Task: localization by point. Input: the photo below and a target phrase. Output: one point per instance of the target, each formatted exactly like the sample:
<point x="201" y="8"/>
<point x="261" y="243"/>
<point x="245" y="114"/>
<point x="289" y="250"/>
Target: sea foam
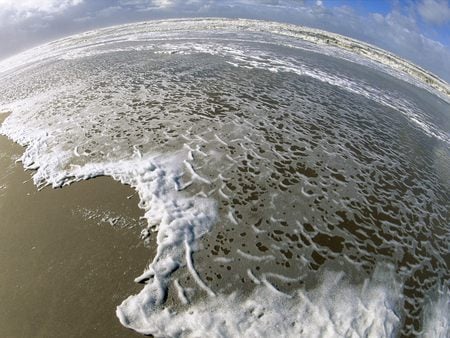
<point x="180" y="219"/>
<point x="335" y="308"/>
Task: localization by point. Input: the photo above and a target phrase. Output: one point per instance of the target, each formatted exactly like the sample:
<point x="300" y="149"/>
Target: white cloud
<point x="13" y="11"/>
<point x="161" y="4"/>
<point x="45" y="6"/>
<point x="401" y="35"/>
<point x="434" y="11"/>
<point x="164" y="3"/>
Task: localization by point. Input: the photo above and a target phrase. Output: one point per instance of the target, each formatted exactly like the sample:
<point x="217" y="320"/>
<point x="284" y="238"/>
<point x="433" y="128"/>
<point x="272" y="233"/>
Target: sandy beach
<point x="68" y="256"/>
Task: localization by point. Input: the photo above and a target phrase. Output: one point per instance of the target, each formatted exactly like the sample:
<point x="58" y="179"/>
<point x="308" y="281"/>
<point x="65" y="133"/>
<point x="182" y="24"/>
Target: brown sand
<point x="62" y="275"/>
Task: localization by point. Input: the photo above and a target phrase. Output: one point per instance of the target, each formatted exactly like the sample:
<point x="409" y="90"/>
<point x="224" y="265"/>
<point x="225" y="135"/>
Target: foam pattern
<point x="334" y="309"/>
<point x="263" y="162"/>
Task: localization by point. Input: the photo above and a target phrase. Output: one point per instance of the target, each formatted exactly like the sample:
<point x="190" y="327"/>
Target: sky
<point x="418" y="30"/>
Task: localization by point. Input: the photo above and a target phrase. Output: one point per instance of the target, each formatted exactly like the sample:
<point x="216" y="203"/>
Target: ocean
<point x="290" y="187"/>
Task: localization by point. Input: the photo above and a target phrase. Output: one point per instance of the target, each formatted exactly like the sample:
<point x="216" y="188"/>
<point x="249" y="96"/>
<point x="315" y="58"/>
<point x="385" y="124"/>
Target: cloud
<point x="401" y="35"/>
<point x="162" y="4"/>
<point x="16" y="10"/>
<point x="434" y="11"/>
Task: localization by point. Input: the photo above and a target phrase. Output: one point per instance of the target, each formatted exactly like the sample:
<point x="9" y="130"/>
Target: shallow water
<point x="262" y="163"/>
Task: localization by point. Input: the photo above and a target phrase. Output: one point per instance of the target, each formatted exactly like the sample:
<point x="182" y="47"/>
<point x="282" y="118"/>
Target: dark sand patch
<point x="63" y="274"/>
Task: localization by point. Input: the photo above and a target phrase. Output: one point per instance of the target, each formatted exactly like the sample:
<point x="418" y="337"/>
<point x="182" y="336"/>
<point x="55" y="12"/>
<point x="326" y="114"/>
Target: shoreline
<point x="69" y="256"/>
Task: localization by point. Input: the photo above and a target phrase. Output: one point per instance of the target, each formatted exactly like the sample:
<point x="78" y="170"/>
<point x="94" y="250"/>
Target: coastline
<point x="68" y="256"/>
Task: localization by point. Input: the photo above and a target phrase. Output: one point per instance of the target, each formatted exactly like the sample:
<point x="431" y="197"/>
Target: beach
<point x="68" y="256"/>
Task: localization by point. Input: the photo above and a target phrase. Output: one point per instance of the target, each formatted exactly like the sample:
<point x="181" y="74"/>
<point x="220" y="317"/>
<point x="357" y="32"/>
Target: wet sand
<point x="62" y="273"/>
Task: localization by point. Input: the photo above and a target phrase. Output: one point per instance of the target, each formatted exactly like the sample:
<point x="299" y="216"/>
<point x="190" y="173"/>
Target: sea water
<point x="294" y="189"/>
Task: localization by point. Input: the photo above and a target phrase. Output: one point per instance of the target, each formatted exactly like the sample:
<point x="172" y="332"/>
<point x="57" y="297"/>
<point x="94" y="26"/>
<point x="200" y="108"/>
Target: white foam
<point x="436" y="315"/>
<point x="252" y="277"/>
<point x="249" y="60"/>
<point x="334" y="309"/>
<point x="255" y="258"/>
<point x="181" y="219"/>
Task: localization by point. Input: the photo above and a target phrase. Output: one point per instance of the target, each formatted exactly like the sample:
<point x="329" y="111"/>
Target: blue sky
<point x="418" y="30"/>
<point x="429" y="24"/>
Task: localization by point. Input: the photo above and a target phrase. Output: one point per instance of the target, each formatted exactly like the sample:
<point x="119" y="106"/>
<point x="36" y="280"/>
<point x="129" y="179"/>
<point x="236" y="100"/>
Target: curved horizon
<point x="313" y="35"/>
